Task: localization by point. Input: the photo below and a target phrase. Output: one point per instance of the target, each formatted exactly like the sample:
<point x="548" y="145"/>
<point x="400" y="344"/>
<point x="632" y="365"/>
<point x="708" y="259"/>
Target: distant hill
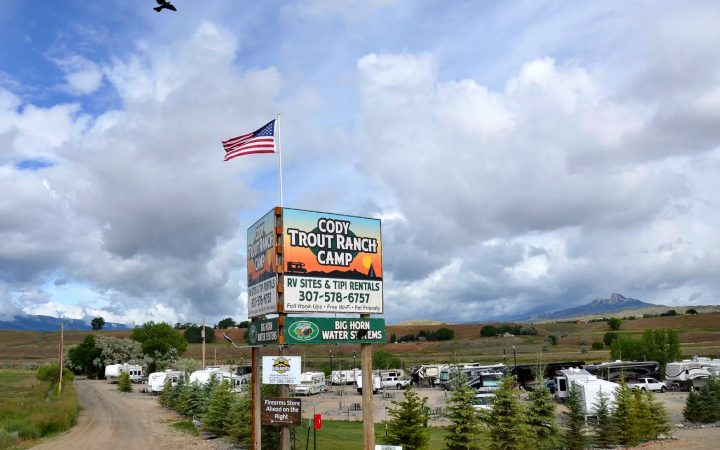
<point x="48" y="323"/>
<point x="420" y="322"/>
<point x="616" y="303"/>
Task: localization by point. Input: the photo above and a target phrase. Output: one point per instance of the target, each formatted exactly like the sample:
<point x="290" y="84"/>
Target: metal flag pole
<point x="279" y="150"/>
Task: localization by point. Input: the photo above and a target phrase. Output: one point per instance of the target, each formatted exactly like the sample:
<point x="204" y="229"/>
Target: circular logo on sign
<point x="304" y="330"/>
<point x="252" y="334"/>
<point x="281" y="365"/>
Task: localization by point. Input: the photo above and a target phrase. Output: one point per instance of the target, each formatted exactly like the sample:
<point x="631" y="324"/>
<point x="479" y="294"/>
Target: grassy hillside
<point x="698" y="335"/>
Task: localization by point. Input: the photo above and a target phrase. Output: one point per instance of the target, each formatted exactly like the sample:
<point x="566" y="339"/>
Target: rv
<point x="625" y="370"/>
<point x="687" y="375"/>
<point x="426" y="375"/>
<point x="157" y="380"/>
<point x="340" y="377"/>
<point x="391" y="373"/>
<point x="310" y="383"/>
<point x="485" y="380"/>
<point x="528" y="375"/>
<point x="377" y="383"/>
<point x="113" y="371"/>
<point x="483" y="401"/>
<point x="590" y="390"/>
<point x="202" y="377"/>
<point x="470" y="370"/>
<point x="712" y="364"/>
<point x="565" y="379"/>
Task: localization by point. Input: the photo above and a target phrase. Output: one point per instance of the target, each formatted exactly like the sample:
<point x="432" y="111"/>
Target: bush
<point x="488" y="331"/>
<point x="692" y="311"/>
<point x="609" y="337"/>
<point x="614" y="323"/>
<point x="124" y="383"/>
<point x="597" y="345"/>
<point x="51" y="373"/>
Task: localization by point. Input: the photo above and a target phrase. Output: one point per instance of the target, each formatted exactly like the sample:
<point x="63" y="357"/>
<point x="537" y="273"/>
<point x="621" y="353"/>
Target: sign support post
<point x="367" y="393"/>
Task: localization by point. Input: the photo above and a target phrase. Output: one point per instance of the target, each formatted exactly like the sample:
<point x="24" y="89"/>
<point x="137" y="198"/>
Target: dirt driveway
<point x="113" y="420"/>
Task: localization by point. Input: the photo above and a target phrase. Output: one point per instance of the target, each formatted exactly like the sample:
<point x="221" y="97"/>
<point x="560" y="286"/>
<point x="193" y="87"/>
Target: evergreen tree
<point x="216" y="417"/>
<point x="541" y="417"/>
<point x="624" y="417"/>
<point x="574" y="435"/>
<point x="659" y="414"/>
<point x="703" y="406"/>
<point x="645" y="422"/>
<point x="124" y="383"/>
<point x="166" y="394"/>
<point x="406" y="426"/>
<point x="604" y="429"/>
<point x="508" y="428"/>
<point x="693" y="408"/>
<point x="190" y="400"/>
<point x="463" y="432"/>
<point x="239" y="424"/>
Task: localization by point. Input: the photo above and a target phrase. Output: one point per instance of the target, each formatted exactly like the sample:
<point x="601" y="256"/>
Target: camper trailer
<point x="310" y="383"/>
<point x="426" y="375"/>
<point x="202" y="377"/>
<point x="590" y="390"/>
<point x="340" y="377"/>
<point x="565" y="378"/>
<point x="687" y="375"/>
<point x="113" y="371"/>
<point x="157" y="380"/>
<point x="377" y="383"/>
<point x="470" y="370"/>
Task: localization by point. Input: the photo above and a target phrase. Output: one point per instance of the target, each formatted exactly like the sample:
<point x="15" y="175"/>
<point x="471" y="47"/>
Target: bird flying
<point x="164" y="5"/>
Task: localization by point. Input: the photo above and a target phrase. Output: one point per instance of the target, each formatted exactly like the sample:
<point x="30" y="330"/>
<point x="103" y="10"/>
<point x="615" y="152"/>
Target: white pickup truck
<point x="394" y="382"/>
<point x="649" y="384"/>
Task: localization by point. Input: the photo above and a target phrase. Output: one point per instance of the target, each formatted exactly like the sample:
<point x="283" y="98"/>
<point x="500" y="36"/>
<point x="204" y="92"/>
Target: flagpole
<point x="277" y="123"/>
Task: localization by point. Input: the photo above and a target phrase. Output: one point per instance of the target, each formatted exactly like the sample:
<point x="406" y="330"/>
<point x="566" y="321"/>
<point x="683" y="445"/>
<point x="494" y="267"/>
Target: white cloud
<point x="82" y="76"/>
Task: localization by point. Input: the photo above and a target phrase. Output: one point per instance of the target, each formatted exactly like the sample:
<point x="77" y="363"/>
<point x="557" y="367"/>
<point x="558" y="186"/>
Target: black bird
<point x="164" y="5"/>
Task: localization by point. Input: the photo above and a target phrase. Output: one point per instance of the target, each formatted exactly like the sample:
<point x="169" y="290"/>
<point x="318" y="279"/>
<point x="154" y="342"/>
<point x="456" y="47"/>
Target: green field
<point x="31" y="409"/>
<point x="335" y="435"/>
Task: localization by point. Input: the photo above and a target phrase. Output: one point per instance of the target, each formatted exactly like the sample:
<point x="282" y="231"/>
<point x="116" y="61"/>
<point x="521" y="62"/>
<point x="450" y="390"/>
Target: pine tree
<point x="645" y="422"/>
<point x="463" y="432"/>
<point x="124" y="383"/>
<point x="541" y="417"/>
<point x="166" y="393"/>
<point x="574" y="435"/>
<point x="659" y="415"/>
<point x="239" y="424"/>
<point x="604" y="429"/>
<point x="508" y="428"/>
<point x="703" y="406"/>
<point x="693" y="408"/>
<point x="216" y="418"/>
<point x="406" y="426"/>
<point x="624" y="417"/>
<point x="190" y="400"/>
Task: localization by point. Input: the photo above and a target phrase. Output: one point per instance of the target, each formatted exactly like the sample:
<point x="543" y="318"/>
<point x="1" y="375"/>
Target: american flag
<point x="259" y="141"/>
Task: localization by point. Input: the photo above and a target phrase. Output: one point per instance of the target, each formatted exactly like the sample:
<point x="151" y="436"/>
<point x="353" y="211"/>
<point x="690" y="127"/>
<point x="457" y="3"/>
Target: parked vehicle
<point x="157" y="380"/>
<point x="590" y="390"/>
<point x="483" y="401"/>
<point x="687" y="375"/>
<point x="113" y="371"/>
<point x="377" y="383"/>
<point x="310" y="383"/>
<point x="649" y="384"/>
<point x="470" y="370"/>
<point x="340" y="377"/>
<point x="625" y="370"/>
<point x="426" y="375"/>
<point x="202" y="377"/>
<point x="485" y="380"/>
<point x="565" y="378"/>
<point x="550" y="385"/>
<point x="387" y="373"/>
<point x="527" y="374"/>
<point x="394" y="382"/>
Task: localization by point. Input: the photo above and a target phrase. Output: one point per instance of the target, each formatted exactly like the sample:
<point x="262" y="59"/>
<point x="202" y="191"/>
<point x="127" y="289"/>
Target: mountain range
<point x="616" y="302"/>
<point x="47" y="323"/>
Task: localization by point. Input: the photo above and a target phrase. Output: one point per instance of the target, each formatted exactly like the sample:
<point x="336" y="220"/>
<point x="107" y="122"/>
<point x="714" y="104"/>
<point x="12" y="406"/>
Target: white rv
<point x="565" y="378"/>
<point x="339" y="377"/>
<point x="156" y="380"/>
<point x="687" y="375"/>
<point x="427" y="374"/>
<point x="590" y="390"/>
<point x="377" y="383"/>
<point x="310" y="383"/>
<point x="202" y="377"/>
<point x="113" y="371"/>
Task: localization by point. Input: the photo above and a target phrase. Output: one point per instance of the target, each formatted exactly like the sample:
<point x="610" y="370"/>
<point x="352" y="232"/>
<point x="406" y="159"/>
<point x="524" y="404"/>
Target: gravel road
<point x="113" y="420"/>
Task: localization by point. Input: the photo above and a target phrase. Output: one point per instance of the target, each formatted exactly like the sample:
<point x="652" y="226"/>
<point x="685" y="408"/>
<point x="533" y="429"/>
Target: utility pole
<point x="62" y="326"/>
<point x="202" y="333"/>
<point x="367" y="393"/>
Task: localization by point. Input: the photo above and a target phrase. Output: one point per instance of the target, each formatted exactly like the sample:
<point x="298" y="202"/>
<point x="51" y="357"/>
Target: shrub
<point x="488" y="331"/>
<point x="124" y="383"/>
<point x="51" y="373"/>
<point x="614" y="323"/>
<point x="597" y="345"/>
<point x="609" y="337"/>
<point x="692" y="311"/>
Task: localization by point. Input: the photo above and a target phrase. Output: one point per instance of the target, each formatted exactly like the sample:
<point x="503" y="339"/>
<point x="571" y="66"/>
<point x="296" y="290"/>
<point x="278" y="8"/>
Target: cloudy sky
<point x="523" y="156"/>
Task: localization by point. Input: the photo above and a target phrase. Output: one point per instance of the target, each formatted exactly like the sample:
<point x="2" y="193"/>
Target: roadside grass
<point x="31" y="409"/>
<point x="344" y="435"/>
<point x="186" y="426"/>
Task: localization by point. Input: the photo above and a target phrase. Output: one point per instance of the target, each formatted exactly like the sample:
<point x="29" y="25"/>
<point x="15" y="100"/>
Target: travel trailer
<point x="310" y="383"/>
<point x="202" y="377"/>
<point x="156" y="380"/>
<point x="590" y="390"/>
<point x="565" y="378"/>
<point x="687" y="375"/>
<point x="527" y="375"/>
<point x="426" y="375"/>
<point x="470" y="370"/>
<point x="113" y="371"/>
<point x="340" y="377"/>
<point x="377" y="383"/>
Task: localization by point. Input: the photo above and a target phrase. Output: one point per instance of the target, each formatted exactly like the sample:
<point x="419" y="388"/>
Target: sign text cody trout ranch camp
<point x="332" y="263"/>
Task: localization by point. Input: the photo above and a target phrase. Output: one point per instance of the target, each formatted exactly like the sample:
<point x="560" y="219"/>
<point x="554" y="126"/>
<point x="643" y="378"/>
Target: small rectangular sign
<point x="261" y="267"/>
<point x="281" y="412"/>
<point x="263" y="332"/>
<point x="314" y="330"/>
<point x="281" y="369"/>
<point x="318" y="421"/>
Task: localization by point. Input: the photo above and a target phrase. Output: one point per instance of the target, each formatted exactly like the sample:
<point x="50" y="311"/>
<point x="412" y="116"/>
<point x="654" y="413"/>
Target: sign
<point x="263" y="332"/>
<point x="281" y="370"/>
<point x="261" y="267"/>
<point x="281" y="412"/>
<point x="333" y="263"/>
<point x="318" y="421"/>
<point x="313" y="330"/>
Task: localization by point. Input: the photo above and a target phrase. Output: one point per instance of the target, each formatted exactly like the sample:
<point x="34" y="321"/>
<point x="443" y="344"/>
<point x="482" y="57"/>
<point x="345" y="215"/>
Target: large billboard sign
<point x="333" y="263"/>
<point x="314" y="330"/>
<point x="261" y="266"/>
